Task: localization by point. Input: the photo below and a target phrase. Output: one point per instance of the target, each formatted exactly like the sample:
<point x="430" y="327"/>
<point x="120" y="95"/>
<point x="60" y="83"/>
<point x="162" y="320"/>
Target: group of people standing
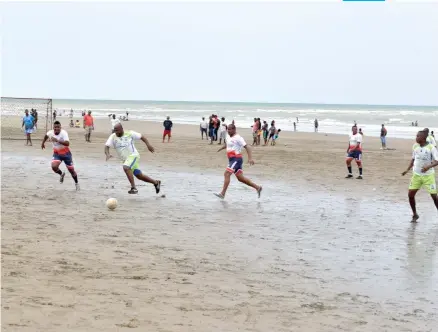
<point x="269" y="133"/>
<point x="214" y="129"/>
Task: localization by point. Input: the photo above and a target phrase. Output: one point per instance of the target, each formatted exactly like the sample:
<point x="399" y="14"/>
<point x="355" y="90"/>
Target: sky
<point x="300" y="52"/>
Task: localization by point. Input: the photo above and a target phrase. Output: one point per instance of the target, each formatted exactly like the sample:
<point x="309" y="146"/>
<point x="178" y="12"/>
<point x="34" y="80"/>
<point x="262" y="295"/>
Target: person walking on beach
<point x="88" y="126"/>
<point x="354" y="151"/>
<point x="203" y="127"/>
<point x="383" y="133"/>
<point x="234" y="145"/>
<point x="272" y="131"/>
<point x="316" y="125"/>
<point x="255" y="132"/>
<point x="61" y="152"/>
<point x="167" y="124"/>
<point x="429" y="138"/>
<point x="28" y="124"/>
<point x="123" y="142"/>
<point x="424" y="159"/>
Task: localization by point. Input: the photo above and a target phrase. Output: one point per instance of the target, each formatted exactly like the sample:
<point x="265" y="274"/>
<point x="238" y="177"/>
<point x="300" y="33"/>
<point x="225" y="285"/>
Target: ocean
<point x="334" y="119"/>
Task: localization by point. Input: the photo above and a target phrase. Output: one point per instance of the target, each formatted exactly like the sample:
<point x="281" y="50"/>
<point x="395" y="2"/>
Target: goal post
<point x="13" y="110"/>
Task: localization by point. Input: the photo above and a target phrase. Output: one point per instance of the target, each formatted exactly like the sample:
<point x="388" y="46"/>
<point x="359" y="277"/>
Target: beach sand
<point x="317" y="252"/>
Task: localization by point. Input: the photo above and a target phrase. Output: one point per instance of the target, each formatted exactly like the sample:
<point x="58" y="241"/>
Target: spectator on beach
<point x="429" y="138"/>
<point x="383" y="133"/>
<point x="88" y="126"/>
<point x="28" y="124"/>
<point x="295" y="126"/>
<point x="272" y="130"/>
<point x="211" y="129"/>
<point x="259" y="130"/>
<point x="217" y="125"/>
<point x="316" y="125"/>
<point x="254" y="132"/>
<point x="265" y="132"/>
<point x="360" y="131"/>
<point x="275" y="137"/>
<point x="167" y="124"/>
<point x="114" y="121"/>
<point x="203" y="127"/>
<point x="222" y="131"/>
<point x="34" y="113"/>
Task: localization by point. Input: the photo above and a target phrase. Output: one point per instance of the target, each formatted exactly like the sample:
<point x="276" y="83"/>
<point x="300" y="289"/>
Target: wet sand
<point x="316" y="253"/>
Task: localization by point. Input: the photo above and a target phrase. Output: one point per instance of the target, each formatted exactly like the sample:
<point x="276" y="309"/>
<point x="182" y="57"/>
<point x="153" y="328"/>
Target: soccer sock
<point x="360" y="170"/>
<point x="59" y="172"/>
<point x="349" y="170"/>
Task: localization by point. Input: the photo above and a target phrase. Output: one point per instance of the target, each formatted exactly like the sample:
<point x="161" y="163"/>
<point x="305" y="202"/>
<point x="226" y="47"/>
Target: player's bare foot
<point x="219" y="195"/>
<point x="133" y="191"/>
<point x="157" y="186"/>
<point x="415" y="217"/>
<point x="61" y="179"/>
<point x="77" y="187"/>
<point x="259" y="191"/>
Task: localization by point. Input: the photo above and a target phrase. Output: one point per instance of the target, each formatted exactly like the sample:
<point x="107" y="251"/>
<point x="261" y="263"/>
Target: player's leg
<point x="430" y="183"/>
<point x="68" y="161"/>
<point x="169" y="135"/>
<point x="227" y="180"/>
<point x="415" y="184"/>
<point x="359" y="165"/>
<point x="164" y="135"/>
<point x="56" y="161"/>
<point x="139" y="175"/>
<point x="348" y="161"/>
<point x="248" y="182"/>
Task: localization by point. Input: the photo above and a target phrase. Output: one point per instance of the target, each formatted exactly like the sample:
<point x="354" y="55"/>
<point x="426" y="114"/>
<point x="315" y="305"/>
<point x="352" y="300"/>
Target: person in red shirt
<point x="88" y="126"/>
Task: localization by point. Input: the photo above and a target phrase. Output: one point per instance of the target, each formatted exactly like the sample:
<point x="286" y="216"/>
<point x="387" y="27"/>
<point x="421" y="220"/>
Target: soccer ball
<point x="111" y="203"/>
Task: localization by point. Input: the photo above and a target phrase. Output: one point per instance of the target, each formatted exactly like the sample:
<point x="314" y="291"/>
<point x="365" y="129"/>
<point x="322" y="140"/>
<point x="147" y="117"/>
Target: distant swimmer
<point x="424" y="159"/>
<point x="234" y="144"/>
<point x="61" y="152"/>
<point x="354" y="151"/>
<point x="123" y="142"/>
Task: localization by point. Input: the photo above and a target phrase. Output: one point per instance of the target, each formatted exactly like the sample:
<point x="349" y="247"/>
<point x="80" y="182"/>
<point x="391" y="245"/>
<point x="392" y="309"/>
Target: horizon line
<point x="224" y="102"/>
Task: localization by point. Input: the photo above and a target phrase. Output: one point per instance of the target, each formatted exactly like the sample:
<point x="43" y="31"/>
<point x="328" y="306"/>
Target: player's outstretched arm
<point x="107" y="153"/>
<point x="249" y="152"/>
<point x="411" y="164"/>
<point x="145" y="140"/>
<point x="222" y="148"/>
<point x="43" y="143"/>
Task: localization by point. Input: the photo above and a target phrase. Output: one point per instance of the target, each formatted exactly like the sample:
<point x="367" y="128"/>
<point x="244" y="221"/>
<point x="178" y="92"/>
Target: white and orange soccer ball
<point x="111" y="203"/>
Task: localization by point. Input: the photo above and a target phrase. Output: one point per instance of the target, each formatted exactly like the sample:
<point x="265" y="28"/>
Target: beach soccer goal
<point x="13" y="110"/>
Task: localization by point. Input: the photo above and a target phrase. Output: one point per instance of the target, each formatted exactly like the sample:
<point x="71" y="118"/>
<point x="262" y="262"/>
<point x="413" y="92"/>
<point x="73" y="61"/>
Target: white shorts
<point x="223" y="134"/>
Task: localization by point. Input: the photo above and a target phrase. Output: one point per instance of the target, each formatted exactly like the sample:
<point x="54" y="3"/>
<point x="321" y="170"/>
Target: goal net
<point x="13" y="110"/>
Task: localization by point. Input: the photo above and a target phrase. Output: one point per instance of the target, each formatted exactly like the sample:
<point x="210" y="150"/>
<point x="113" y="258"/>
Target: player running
<point x="234" y="144"/>
<point x="61" y="152"/>
<point x="123" y="142"/>
<point x="354" y="151"/>
<point x="424" y="158"/>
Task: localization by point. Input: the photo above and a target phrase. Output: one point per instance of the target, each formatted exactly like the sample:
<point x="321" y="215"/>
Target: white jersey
<point x="354" y="141"/>
<point x="114" y="122"/>
<point x="423" y="156"/>
<point x="235" y="145"/>
<point x="204" y="124"/>
<point x="62" y="137"/>
<point x="223" y="127"/>
<point x="124" y="145"/>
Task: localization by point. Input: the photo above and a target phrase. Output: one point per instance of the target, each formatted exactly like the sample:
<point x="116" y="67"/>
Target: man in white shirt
<point x="354" y="151"/>
<point x="234" y="144"/>
<point x="424" y="159"/>
<point x="123" y="142"/>
<point x="114" y="121"/>
<point x="61" y="152"/>
<point x="429" y="138"/>
<point x="222" y="131"/>
<point x="203" y="127"/>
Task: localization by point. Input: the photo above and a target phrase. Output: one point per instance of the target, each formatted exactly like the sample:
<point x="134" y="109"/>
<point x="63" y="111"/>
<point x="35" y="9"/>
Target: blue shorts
<point x="66" y="158"/>
<point x="383" y="139"/>
<point x="235" y="165"/>
<point x="357" y="155"/>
